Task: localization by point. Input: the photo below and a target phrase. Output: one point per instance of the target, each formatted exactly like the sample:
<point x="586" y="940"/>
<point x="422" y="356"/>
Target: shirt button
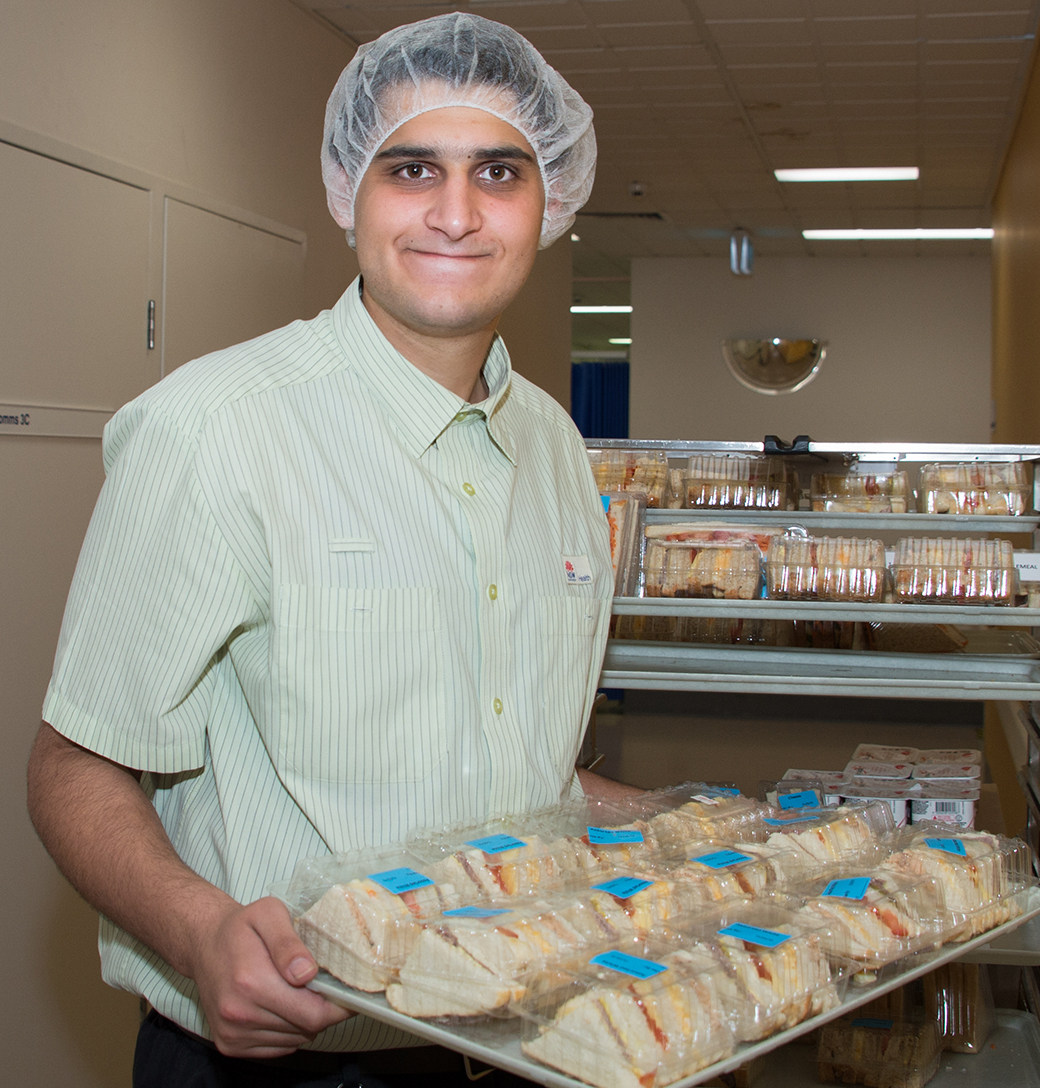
<point x="493" y="592"/>
<point x="469" y="489"/>
<point x="497" y="706"/>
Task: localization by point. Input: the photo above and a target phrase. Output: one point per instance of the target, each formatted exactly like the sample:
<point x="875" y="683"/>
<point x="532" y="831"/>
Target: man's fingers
<point x="288" y="953"/>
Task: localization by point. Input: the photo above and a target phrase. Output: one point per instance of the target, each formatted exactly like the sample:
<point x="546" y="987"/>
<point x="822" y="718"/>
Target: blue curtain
<point x="599" y="399"/>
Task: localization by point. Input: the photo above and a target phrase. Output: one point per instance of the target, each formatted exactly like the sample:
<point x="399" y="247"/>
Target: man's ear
<point x="340" y="195"/>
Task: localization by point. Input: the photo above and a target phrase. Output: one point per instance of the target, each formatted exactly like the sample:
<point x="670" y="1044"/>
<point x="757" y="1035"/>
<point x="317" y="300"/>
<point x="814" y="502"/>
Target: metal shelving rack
<point x="693" y="667"/>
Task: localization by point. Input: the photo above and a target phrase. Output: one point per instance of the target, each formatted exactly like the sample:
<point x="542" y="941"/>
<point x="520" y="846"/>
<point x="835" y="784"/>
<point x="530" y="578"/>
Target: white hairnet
<point x="458" y="60"/>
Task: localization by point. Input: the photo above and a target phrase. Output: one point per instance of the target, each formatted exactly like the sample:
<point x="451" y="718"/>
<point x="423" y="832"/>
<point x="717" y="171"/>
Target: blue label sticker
<point x="868" y="1022"/>
<point x="605" y="499"/>
<point x="496" y="844"/>
<point x="784" y="823"/>
<point x="731" y="790"/>
<point x="948" y="846"/>
<point x="766" y="938"/>
<point x="721" y="858"/>
<point x="605" y="836"/>
<point x="399" y="881"/>
<point x="801" y="799"/>
<point x="475" y="912"/>
<point x="853" y="887"/>
<point x="623" y="887"/>
<point x="628" y="965"/>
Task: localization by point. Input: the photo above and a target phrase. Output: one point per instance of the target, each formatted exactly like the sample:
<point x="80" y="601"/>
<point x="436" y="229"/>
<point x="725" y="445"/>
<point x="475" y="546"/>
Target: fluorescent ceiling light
<point x="914" y="234"/>
<point x="851" y="173"/>
<point x="620" y="340"/>
<point x="601" y="309"/>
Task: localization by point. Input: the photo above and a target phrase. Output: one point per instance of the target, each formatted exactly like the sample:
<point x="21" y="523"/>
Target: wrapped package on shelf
<point x="806" y="568"/>
<point x="645" y="471"/>
<point x="626" y="514"/>
<point x="886" y="753"/>
<point x="858" y="492"/>
<point x="639" y="1016"/>
<point x="738" y="481"/>
<point x="984" y="877"/>
<point x="940" y="570"/>
<point x="995" y="489"/>
<point x="730" y="571"/>
<point x="361" y="913"/>
<point x="893" y="1053"/>
<point x="876" y="916"/>
<point x="959" y="998"/>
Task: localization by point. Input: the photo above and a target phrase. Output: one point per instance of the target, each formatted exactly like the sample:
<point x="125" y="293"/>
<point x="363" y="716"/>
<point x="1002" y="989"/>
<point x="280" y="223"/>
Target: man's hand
<point x="248" y="963"/>
<point x="251" y="970"/>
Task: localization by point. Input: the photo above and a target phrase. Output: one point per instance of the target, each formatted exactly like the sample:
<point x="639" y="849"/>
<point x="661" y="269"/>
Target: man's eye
<point x="415" y="171"/>
<point x="497" y="171"/>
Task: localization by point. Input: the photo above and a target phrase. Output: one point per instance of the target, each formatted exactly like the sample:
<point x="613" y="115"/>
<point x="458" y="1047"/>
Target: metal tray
<point x="497" y="1042"/>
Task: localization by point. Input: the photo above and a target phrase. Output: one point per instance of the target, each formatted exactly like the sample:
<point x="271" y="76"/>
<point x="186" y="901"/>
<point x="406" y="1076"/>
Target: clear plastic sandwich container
<point x="716" y="873"/>
<point x="475" y="960"/>
<point x="985" y="878"/>
<point x="361" y="913"/>
<point x="736" y="481"/>
<point x="804" y="791"/>
<point x="869" y="1050"/>
<point x="535" y="855"/>
<point x="697" y="811"/>
<point x="626" y="516"/>
<point x="939" y="570"/>
<point x="975" y="488"/>
<point x="716" y="533"/>
<point x="805" y="568"/>
<point x="862" y="492"/>
<point x="950" y="803"/>
<point x="777" y="960"/>
<point x="959" y="999"/>
<point x="875" y="916"/>
<point x="815" y="840"/>
<point x="643" y="1015"/>
<point x="645" y="471"/>
<point x="680" y="569"/>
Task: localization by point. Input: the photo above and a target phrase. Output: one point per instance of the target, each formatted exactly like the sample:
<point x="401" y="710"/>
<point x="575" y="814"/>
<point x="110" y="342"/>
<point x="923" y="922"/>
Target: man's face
<point x="447" y="220"/>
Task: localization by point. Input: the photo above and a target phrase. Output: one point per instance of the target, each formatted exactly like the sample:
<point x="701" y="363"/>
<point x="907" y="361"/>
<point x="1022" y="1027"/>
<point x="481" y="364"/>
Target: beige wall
<point x="226" y="97"/>
<point x="537" y="326"/>
<point x="1016" y="273"/>
<point x="908" y="354"/>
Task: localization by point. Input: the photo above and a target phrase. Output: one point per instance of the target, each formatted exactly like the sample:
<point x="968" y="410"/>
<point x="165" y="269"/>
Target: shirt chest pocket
<point x="572" y="630"/>
<point x="360" y="681"/>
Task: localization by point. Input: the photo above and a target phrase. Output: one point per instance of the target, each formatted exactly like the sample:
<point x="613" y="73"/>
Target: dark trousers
<point x="168" y="1057"/>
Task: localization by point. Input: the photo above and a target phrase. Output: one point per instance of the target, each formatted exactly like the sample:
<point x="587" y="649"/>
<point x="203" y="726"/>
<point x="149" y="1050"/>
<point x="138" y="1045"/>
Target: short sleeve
<point x="156" y="595"/>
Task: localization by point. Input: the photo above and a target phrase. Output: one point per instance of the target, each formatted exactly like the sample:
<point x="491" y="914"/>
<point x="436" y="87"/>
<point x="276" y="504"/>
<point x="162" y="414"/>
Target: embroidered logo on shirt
<point x="577" y="570"/>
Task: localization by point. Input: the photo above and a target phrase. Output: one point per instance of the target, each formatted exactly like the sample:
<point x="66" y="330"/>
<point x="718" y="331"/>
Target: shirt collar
<point x="419" y="408"/>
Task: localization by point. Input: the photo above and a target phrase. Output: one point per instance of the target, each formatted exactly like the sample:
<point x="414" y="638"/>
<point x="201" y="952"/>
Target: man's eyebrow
<point x="507" y="152"/>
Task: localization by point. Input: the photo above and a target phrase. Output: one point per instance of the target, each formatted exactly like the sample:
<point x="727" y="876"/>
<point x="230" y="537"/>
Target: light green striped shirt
<point x="325" y="601"/>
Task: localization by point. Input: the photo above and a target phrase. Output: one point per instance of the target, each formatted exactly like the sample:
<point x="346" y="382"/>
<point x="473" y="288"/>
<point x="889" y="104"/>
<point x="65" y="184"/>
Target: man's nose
<point x="455" y="210"/>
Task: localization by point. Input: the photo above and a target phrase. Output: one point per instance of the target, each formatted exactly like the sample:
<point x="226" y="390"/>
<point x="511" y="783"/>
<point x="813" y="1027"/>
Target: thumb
<point x="288" y="953"/>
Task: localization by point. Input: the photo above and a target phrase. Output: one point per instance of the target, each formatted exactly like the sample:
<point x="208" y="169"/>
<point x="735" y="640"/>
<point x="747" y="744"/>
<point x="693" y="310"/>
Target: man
<point x="344" y="581"/>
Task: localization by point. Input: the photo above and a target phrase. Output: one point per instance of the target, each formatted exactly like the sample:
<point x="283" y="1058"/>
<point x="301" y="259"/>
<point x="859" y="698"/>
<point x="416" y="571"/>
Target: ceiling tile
<point x="781" y="32"/>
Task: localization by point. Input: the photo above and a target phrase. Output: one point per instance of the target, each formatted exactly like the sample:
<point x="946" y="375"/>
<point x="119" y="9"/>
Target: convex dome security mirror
<point x="776" y="365"/>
